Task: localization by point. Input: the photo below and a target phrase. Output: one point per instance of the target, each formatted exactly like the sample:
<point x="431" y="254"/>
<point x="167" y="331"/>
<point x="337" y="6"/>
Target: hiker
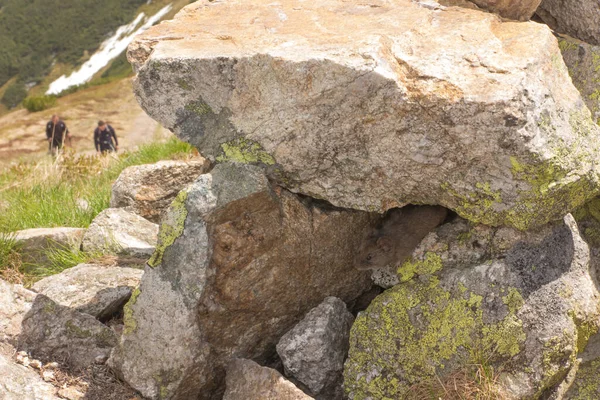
<point x="104" y="135"/>
<point x="56" y="132"/>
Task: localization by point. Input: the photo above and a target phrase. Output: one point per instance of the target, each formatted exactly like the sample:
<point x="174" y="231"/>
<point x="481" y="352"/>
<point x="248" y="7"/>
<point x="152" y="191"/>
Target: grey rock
<point x="20" y="383"/>
<point x="239" y="263"/>
<point x="385" y="277"/>
<point x="583" y="62"/>
<point x="97" y="290"/>
<point x="373" y="108"/>
<point x="579" y="19"/>
<point x="35" y="243"/>
<point x="53" y="332"/>
<point x="520" y="300"/>
<point x="514" y="9"/>
<point x="117" y="231"/>
<point x="314" y="351"/>
<point x="15" y="302"/>
<point x="246" y="380"/>
<point x="148" y="190"/>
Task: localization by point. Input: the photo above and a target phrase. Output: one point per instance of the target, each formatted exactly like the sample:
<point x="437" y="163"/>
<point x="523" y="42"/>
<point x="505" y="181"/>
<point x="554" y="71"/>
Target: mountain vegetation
<point x="34" y="34"/>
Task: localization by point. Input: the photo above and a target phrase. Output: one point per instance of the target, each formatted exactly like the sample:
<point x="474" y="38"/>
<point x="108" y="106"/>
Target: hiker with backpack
<point x="105" y="138"/>
<point x="56" y="132"/>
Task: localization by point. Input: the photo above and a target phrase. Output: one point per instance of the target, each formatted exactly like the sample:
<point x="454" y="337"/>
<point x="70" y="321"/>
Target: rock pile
<point x="326" y="125"/>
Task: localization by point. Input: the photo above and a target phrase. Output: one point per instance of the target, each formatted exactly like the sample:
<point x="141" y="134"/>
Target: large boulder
<point x="583" y="62"/>
<point x="54" y="332"/>
<point x="15" y="302"/>
<point x="20" y="383"/>
<point x="373" y="106"/>
<point x="97" y="290"/>
<point x="117" y="231"/>
<point x="514" y="9"/>
<point x="522" y="303"/>
<point x="579" y="19"/>
<point x="246" y="380"/>
<point x="35" y="244"/>
<point x="314" y="351"/>
<point x="239" y="263"/>
<point x="148" y="190"/>
<point x="584" y="383"/>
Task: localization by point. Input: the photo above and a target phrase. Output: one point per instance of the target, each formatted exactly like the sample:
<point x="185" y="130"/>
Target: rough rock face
<point x="314" y="351"/>
<point x="246" y="380"/>
<point x="117" y="231"/>
<point x="583" y="62"/>
<point x="375" y="106"/>
<point x="585" y="383"/>
<point x="34" y="243"/>
<point x="513" y="9"/>
<point x="15" y="302"/>
<point x="239" y="263"/>
<point x="54" y="332"/>
<point x="522" y="300"/>
<point x="92" y="289"/>
<point x="579" y="19"/>
<point x="148" y="190"/>
<point x="19" y="383"/>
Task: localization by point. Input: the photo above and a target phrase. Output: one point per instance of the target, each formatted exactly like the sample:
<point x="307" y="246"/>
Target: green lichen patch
<point x="431" y="264"/>
<point x="199" y="108"/>
<point x="171" y="227"/>
<point x="586" y="384"/>
<point x="183" y="84"/>
<point x="418" y="330"/>
<point x="129" y="322"/>
<point x="244" y="151"/>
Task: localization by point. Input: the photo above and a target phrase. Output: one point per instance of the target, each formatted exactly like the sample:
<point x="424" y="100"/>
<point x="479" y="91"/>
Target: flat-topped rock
<point x="148" y="190"/>
<point x="37" y="242"/>
<point x="121" y="232"/>
<point x="373" y="106"/>
<point x="97" y="290"/>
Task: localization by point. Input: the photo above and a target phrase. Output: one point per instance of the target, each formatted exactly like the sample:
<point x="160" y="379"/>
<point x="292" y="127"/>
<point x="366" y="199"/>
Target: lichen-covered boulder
<point x="15" y="302"/>
<point x="117" y="231"/>
<point x="239" y="262"/>
<point x="148" y="190"/>
<point x="54" y="332"/>
<point x="584" y="383"/>
<point x="246" y="380"/>
<point x="97" y="290"/>
<point x="579" y="19"/>
<point x="583" y="62"/>
<point x="523" y="303"/>
<point x="314" y="351"/>
<point x="35" y="244"/>
<point x="19" y="383"/>
<point x="514" y="9"/>
<point x="375" y="106"/>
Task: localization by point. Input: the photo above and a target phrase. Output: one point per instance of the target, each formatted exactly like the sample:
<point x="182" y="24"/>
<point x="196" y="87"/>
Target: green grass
<point x="50" y="195"/>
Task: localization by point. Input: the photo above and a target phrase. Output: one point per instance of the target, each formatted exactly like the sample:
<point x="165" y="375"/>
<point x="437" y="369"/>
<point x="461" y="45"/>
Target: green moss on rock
<point x="128" y="320"/>
<point x="244" y="151"/>
<point x="410" y="268"/>
<point x="413" y="331"/>
<point x="171" y="228"/>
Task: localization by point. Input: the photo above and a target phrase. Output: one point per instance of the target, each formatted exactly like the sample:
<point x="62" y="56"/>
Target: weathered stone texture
<point x="520" y="10"/>
<point x="117" y="231"/>
<point x="239" y="262"/>
<point x="97" y="290"/>
<point x="313" y="352"/>
<point x="19" y="383"/>
<point x="583" y="62"/>
<point x="53" y="332"/>
<point x="579" y="19"/>
<point x="15" y="302"/>
<point x="148" y="190"/>
<point x="246" y="380"/>
<point x="525" y="301"/>
<point x="374" y="107"/>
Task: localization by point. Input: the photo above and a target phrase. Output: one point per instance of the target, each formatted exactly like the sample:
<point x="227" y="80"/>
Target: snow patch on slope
<point x="110" y="49"/>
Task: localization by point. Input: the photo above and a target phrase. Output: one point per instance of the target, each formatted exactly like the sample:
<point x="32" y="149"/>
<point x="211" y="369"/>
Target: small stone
<point x="51" y="365"/>
<point x="70" y="393"/>
<point x="37" y="364"/>
<point x="101" y="359"/>
<point x="48" y="376"/>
